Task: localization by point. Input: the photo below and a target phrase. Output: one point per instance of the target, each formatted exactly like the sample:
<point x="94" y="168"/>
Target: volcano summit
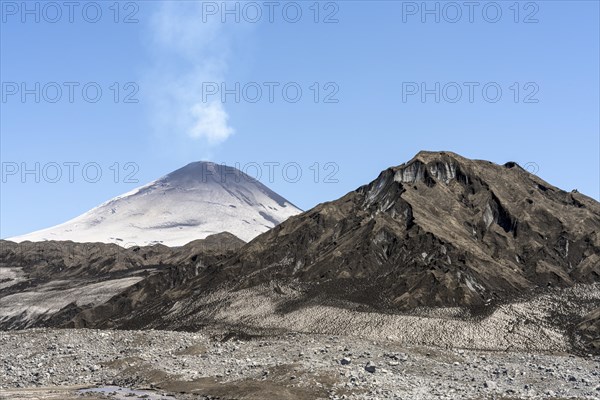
<point x="193" y="202"/>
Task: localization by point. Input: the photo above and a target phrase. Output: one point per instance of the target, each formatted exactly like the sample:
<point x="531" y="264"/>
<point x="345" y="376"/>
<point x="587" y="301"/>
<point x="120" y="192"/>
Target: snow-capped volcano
<point x="195" y="201"/>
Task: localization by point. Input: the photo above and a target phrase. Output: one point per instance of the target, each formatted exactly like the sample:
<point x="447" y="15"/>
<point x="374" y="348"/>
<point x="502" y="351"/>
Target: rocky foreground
<point x="57" y="364"/>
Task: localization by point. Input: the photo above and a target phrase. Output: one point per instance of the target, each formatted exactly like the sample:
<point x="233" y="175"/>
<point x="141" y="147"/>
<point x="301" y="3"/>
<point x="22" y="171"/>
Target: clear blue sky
<point x="375" y="57"/>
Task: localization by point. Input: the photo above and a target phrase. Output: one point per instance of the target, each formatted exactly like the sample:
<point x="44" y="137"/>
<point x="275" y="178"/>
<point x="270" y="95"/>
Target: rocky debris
<point x="490" y="385"/>
<point x="292" y="366"/>
<point x="530" y="324"/>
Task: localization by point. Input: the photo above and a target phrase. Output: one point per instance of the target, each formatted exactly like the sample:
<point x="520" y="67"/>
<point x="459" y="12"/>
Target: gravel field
<point x="58" y="364"/>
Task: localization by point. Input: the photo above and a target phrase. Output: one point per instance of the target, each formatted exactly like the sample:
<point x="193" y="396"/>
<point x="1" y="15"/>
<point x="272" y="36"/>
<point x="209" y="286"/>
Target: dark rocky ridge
<point x="52" y="267"/>
<point x="440" y="230"/>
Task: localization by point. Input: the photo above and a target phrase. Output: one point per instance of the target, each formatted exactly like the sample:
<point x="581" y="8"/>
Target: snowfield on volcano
<point x="190" y="203"/>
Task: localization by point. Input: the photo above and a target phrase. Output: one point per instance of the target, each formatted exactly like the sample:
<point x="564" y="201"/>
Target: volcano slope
<point x="193" y="202"/>
<point x="440" y="250"/>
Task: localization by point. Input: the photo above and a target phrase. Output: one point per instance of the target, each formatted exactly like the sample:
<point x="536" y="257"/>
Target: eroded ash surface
<point x="55" y="364"/>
